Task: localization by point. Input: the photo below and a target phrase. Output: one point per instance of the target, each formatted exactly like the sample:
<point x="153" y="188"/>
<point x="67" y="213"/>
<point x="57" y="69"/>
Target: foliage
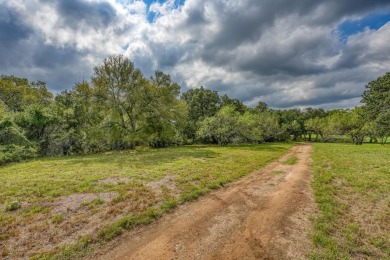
<point x="14" y="145"/>
<point x="120" y="109"/>
<point x="18" y="93"/>
<point x="377" y="105"/>
<point x="201" y="103"/>
<point x="14" y="205"/>
<point x="222" y="127"/>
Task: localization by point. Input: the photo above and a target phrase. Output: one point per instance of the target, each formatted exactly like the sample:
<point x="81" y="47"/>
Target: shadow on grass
<point x="268" y="147"/>
<point x="136" y="157"/>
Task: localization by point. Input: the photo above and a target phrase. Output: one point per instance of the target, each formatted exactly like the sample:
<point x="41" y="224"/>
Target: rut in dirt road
<point x="263" y="216"/>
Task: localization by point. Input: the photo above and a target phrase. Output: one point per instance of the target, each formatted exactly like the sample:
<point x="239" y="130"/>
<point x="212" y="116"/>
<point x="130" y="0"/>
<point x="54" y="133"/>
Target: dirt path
<point x="263" y="216"/>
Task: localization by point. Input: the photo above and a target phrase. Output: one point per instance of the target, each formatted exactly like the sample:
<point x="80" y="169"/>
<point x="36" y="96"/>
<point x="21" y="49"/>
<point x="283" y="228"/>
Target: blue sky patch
<point x="152" y="15"/>
<point x="351" y="27"/>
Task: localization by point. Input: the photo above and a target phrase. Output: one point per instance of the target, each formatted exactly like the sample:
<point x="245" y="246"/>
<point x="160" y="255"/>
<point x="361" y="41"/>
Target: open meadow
<point x="352" y="189"/>
<point x="61" y="207"/>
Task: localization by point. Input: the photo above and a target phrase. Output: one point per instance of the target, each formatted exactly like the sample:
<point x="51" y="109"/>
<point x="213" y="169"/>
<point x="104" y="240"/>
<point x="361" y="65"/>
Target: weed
<point x="14" y="205"/>
<point x="93" y="203"/>
<point x="192" y="194"/>
<point x="168" y="205"/>
<point x="291" y="161"/>
<point x="58" y="218"/>
<point x="36" y="209"/>
<point x="144" y="218"/>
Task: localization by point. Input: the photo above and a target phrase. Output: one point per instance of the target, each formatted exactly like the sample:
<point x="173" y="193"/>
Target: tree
<point x="201" y="103"/>
<point x="250" y="128"/>
<point x="237" y="104"/>
<point x="312" y="117"/>
<point x="223" y="127"/>
<point x="293" y="121"/>
<point x="10" y="132"/>
<point x="14" y="146"/>
<point x="120" y="89"/>
<point x="165" y="113"/>
<point x="376" y="98"/>
<point x="18" y="93"/>
<point x="261" y="107"/>
<point x="381" y="126"/>
<point x="81" y="119"/>
<point x="353" y="123"/>
<point x="42" y="126"/>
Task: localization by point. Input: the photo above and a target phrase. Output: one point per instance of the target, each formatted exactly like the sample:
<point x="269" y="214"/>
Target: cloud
<point x="286" y="53"/>
<point x="93" y="14"/>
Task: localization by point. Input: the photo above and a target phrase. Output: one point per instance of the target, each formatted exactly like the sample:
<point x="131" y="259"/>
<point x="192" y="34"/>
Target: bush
<point x="14" y="205"/>
<point x="16" y="153"/>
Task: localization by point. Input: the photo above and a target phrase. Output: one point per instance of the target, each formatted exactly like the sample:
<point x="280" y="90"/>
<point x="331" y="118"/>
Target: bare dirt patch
<point x="114" y="180"/>
<point x="163" y="185"/>
<point x="264" y="216"/>
<point x="73" y="202"/>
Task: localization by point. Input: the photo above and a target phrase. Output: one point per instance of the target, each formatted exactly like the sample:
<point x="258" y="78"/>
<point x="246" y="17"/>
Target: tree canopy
<point x="119" y="108"/>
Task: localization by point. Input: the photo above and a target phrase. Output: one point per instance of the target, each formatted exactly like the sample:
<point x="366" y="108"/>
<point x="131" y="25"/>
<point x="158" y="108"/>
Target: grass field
<point x="63" y="207"/>
<point x="352" y="189"/>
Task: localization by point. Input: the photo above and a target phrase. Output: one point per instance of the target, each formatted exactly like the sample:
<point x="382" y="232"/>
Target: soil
<point x="263" y="216"/>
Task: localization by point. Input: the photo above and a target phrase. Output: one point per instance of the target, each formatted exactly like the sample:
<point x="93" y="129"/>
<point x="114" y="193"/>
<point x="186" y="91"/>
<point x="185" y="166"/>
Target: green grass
<point x="291" y="161"/>
<point x="40" y="185"/>
<point x="352" y="188"/>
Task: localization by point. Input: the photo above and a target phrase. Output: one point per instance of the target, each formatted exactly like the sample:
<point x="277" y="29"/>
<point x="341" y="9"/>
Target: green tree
<point x="14" y="146"/>
<point x="376" y="98"/>
<point x="250" y="128"/>
<point x="18" y="93"/>
<point x="42" y="126"/>
<point x="201" y="103"/>
<point x="353" y="123"/>
<point x="312" y="117"/>
<point x="381" y="126"/>
<point x="261" y="107"/>
<point x="223" y="127"/>
<point x="237" y="104"/>
<point x="165" y="113"/>
<point x="83" y="130"/>
<point x="120" y="89"/>
<point x="293" y="121"/>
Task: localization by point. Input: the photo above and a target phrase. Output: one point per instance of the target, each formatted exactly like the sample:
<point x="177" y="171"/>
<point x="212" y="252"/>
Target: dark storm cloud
<point x="13" y="33"/>
<point x="52" y="57"/>
<point x="26" y="52"/>
<point x="249" y="22"/>
<point x="195" y="18"/>
<point x="315" y="101"/>
<point x="92" y="13"/>
<point x="258" y="37"/>
<point x="12" y="29"/>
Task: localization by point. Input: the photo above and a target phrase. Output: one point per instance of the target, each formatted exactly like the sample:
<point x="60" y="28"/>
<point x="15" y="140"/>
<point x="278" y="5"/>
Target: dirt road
<point x="263" y="216"/>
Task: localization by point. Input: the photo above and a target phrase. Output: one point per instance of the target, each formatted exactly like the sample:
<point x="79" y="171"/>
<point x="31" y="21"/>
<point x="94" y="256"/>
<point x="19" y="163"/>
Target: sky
<point x="287" y="53"/>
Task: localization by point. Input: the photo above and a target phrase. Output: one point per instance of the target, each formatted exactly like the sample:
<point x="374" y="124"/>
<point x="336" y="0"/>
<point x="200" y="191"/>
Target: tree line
<point x="120" y="109"/>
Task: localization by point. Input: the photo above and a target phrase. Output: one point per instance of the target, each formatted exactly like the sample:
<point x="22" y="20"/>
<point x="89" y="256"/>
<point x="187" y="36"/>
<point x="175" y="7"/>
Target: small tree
<point x="223" y="127"/>
<point x="376" y="98"/>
